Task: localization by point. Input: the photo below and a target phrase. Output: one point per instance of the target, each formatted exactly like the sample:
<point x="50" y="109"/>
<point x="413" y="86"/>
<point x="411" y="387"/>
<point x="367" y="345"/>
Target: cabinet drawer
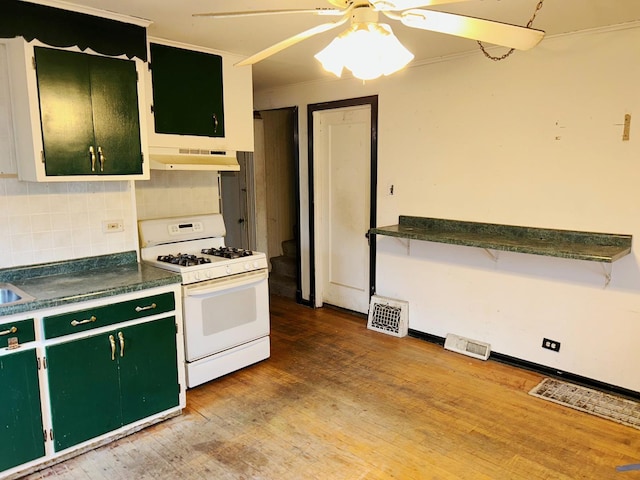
<point x="22" y="329"/>
<point x="91" y="318"/>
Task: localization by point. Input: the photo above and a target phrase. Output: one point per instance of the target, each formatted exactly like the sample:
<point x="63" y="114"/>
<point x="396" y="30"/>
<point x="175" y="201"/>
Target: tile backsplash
<point x="46" y="222"/>
<point x="173" y="193"/>
<point x="50" y="222"/>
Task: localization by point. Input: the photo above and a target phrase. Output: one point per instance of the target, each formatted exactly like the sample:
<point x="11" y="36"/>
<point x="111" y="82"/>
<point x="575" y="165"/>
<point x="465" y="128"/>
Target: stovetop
<point x="183" y="259"/>
<point x="193" y="260"/>
<point x="194" y="247"/>
<point x="227" y="252"/>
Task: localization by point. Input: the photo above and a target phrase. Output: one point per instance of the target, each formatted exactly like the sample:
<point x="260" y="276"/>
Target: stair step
<point x="289" y="248"/>
<point x="285" y="266"/>
<point x="282" y="286"/>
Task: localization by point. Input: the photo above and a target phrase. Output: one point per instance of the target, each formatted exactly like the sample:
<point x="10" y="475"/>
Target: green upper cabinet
<point x="187" y="91"/>
<point x="77" y="116"/>
<point x="21" y="432"/>
<point x="89" y="113"/>
<point x="199" y="101"/>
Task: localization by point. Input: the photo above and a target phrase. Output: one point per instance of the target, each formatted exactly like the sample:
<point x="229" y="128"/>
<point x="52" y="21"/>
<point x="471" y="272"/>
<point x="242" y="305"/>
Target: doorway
<point x="238" y="203"/>
<point x="342" y="207"/>
<point x="276" y="162"/>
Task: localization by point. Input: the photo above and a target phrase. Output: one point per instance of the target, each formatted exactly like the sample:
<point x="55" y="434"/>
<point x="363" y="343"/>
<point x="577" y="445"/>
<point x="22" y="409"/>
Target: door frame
<point x="372" y="101"/>
<point x="295" y="138"/>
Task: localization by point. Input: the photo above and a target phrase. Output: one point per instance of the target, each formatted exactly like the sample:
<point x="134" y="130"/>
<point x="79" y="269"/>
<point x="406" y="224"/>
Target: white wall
<point x="534" y="140"/>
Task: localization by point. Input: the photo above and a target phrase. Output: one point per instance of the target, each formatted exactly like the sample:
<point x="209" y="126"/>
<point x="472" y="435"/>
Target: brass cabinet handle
<point x="148" y="307"/>
<point x="92" y="155"/>
<point x="101" y="158"/>
<point x="112" y="341"/>
<point x="121" y="337"/>
<point x="75" y="323"/>
<point x="11" y="330"/>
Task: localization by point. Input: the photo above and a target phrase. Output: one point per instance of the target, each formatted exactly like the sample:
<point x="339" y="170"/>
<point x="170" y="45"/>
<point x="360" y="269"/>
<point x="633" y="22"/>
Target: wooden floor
<point x="338" y="401"/>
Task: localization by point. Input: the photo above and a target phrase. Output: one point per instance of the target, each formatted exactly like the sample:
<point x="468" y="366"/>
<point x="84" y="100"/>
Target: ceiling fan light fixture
<point x="368" y="49"/>
<point x="330" y="57"/>
<point x="390" y="5"/>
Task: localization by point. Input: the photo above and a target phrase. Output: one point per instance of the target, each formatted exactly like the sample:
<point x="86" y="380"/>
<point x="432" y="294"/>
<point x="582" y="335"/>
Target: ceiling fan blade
<point x="498" y="33"/>
<point x="407" y="4"/>
<point x="288" y="42"/>
<point x="255" y="13"/>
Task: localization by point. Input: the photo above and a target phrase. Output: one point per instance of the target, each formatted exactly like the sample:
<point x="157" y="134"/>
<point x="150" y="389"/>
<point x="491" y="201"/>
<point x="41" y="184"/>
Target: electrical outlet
<point x="550" y="344"/>
<point x="112" y="226"/>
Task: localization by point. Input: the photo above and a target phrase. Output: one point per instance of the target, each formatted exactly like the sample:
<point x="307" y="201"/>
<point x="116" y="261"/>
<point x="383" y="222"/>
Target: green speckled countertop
<point x="597" y="247"/>
<point x="59" y="283"/>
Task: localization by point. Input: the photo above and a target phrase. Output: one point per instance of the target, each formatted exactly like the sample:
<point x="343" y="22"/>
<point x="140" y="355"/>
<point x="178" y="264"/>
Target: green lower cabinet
<point x="21" y="433"/>
<point x="148" y="369"/>
<point x="100" y="383"/>
<point x="84" y="391"/>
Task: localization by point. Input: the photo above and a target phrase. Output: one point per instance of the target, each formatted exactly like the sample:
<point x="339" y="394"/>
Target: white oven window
<point x="237" y="308"/>
<point x="225" y="313"/>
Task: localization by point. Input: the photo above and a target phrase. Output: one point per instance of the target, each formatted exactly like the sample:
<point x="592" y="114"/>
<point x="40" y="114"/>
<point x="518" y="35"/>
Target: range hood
<point x="164" y="158"/>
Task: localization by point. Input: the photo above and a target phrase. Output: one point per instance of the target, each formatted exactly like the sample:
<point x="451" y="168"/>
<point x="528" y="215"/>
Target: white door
<point x="342" y="169"/>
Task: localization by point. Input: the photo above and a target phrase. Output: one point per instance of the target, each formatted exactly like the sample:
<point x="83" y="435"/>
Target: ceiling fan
<point x="364" y="17"/>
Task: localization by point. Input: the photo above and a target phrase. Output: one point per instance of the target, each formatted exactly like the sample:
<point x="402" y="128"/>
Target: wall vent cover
<point x="390" y="316"/>
<point x="199" y="151"/>
<point x="465" y="346"/>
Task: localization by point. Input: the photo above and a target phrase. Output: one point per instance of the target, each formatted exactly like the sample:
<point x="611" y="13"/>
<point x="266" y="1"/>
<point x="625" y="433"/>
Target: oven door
<point x="226" y="312"/>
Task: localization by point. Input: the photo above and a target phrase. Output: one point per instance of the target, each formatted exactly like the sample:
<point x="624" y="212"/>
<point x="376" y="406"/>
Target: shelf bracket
<point x="406" y="243"/>
<point x="607" y="269"/>
<point x="494" y="255"/>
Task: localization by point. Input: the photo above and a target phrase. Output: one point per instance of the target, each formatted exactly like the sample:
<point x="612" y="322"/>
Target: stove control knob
<point x="247" y="266"/>
<point x="196" y="276"/>
<point x="255" y="264"/>
<point x="228" y="269"/>
<point x="207" y="274"/>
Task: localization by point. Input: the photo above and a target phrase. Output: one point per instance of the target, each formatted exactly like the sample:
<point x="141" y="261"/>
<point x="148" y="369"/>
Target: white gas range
<point x="225" y="293"/>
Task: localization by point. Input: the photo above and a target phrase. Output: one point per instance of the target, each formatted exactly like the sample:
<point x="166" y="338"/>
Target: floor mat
<point x="591" y="401"/>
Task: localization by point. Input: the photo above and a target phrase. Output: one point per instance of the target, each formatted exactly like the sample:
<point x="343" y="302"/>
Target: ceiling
<point x="247" y="35"/>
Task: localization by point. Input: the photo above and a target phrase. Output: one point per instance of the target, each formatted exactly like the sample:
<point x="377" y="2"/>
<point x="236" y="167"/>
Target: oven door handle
<point x="226" y="283"/>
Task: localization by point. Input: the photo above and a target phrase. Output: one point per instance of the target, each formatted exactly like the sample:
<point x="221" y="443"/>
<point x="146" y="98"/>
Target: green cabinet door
<point x="65" y="111"/>
<point x="84" y="389"/>
<point x="187" y="91"/>
<point x="148" y="369"/>
<point x="115" y="109"/>
<point x="100" y="383"/>
<point x="89" y="114"/>
<point x="21" y="433"/>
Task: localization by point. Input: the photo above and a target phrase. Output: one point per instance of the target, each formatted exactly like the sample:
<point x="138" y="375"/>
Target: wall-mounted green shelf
<point x="596" y="247"/>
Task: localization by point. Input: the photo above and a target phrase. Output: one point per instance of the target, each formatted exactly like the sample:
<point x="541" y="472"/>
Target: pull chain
<point x="502" y="57"/>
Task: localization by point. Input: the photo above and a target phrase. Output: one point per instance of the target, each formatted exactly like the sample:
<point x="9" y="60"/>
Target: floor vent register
<point x="595" y="402"/>
<point x="388" y="315"/>
<point x="466" y="346"/>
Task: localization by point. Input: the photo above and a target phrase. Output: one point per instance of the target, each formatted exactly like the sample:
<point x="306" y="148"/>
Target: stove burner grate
<point x="227" y="252"/>
<point x="183" y="259"/>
